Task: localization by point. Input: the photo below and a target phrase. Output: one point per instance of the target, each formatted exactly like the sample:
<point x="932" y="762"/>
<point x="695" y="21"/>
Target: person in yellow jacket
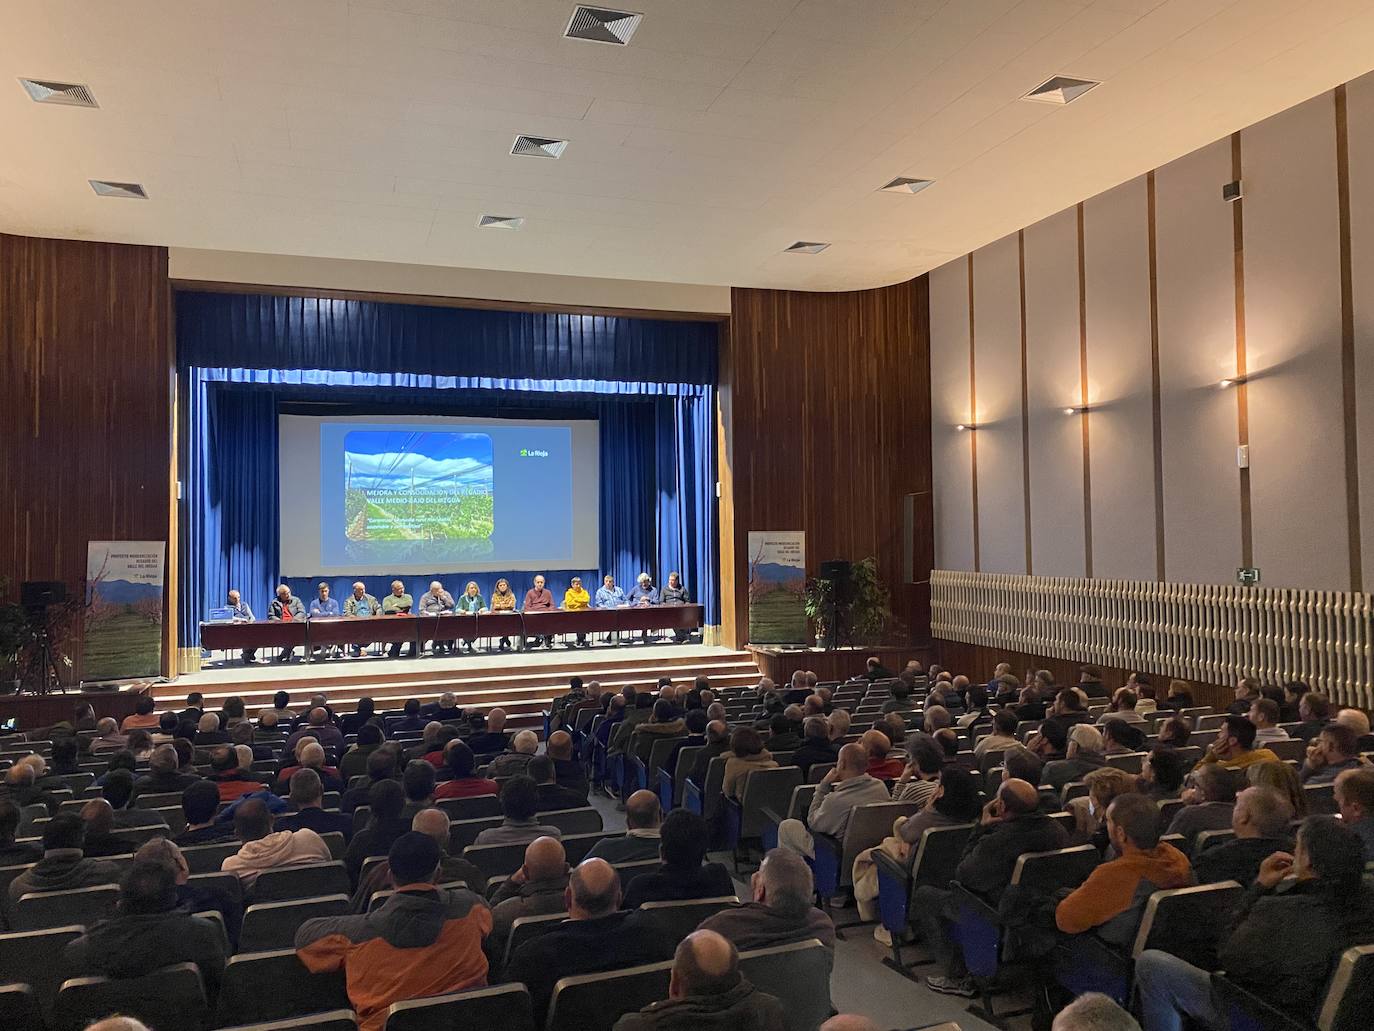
<point x="575" y="599"/>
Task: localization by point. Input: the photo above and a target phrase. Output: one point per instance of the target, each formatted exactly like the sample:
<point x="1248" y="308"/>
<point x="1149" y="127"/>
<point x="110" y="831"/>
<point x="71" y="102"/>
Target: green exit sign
<point x="1248" y="576"/>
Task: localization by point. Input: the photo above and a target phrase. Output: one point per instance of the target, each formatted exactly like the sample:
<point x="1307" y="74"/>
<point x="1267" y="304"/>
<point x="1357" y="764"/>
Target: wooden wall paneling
<point x="1293" y="348"/>
<point x="84" y="404"/>
<point x="1001" y="493"/>
<point x="1360" y="131"/>
<point x="1053" y="375"/>
<point x="1197" y="347"/>
<point x="1119" y="381"/>
<point x="951" y="451"/>
<point x="829" y="420"/>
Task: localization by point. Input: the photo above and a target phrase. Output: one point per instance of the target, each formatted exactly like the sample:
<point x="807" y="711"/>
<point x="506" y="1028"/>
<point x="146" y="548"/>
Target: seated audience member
<point x="411" y="718"/>
<point x="1122" y="738"/>
<point x="307" y="799"/>
<point x="1246" y="692"/>
<point x="1234" y="747"/>
<point x="1293" y="690"/>
<point x="1085" y="754"/>
<point x="598" y="935"/>
<point x="435" y="755"/>
<point x="317" y="725"/>
<point x="643" y="820"/>
<point x="1260" y="820"/>
<point x="1093" y="1011"/>
<point x="463" y="782"/>
<point x="568" y="772"/>
<point x="684" y="873"/>
<point x="664" y="721"/>
<point x="780" y="911"/>
<point x="1264" y="714"/>
<point x="1113" y="897"/>
<point x="1180" y="696"/>
<point x="310" y="756"/>
<point x="1144" y="689"/>
<point x="64" y="758"/>
<point x="816" y="748"/>
<point x="551" y="796"/>
<point x="1105" y="785"/>
<point x="901" y="700"/>
<point x="1335" y="750"/>
<point x="954" y="800"/>
<point x="1355" y="798"/>
<point x="707" y="991"/>
<point x="13" y="853"/>
<point x="538" y="888"/>
<point x="522" y="749"/>
<point x="1090" y="682"/>
<point x="494" y="738"/>
<point x="1210" y="797"/>
<point x="783" y="733"/>
<point x="1049" y="742"/>
<point x="921" y="775"/>
<point x="229" y="778"/>
<point x="417" y="780"/>
<point x="385" y="824"/>
<point x="108" y="738"/>
<point x="143" y="717"/>
<point x="428" y="743"/>
<point x="1161" y="774"/>
<point x="123" y="760"/>
<point x="199" y="804"/>
<point x="881" y="765"/>
<point x="839" y="725"/>
<point x="365" y="713"/>
<point x="64" y="865"/>
<point x="21" y="789"/>
<point x="1284" y="778"/>
<point x="1314" y="712"/>
<point x="1020" y="763"/>
<point x="452" y="869"/>
<point x="842" y="789"/>
<point x="148" y="931"/>
<point x="101" y="841"/>
<point x="208" y="732"/>
<point x="519" y="804"/>
<point x="747" y="754"/>
<point x="1010" y="825"/>
<point x="1003" y="735"/>
<point x="381" y="765"/>
<point x="1283" y="940"/>
<point x="1175" y="732"/>
<point x="421" y="941"/>
<point x="446" y="709"/>
<point x="118" y="790"/>
<point x="164" y="774"/>
<point x="267" y="849"/>
<point x="354" y="761"/>
<point x="717" y="744"/>
<point x="200" y="896"/>
<point x="244" y="734"/>
<point x="1068" y="710"/>
<point x="1123" y="707"/>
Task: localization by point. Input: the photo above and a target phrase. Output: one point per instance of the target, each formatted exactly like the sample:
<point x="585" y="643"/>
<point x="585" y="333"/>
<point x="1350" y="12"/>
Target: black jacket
<point x="1237" y="860"/>
<point x="813" y="751"/>
<point x="163" y="783"/>
<point x="317" y="820"/>
<point x="991" y="854"/>
<point x="552" y="797"/>
<point x="130" y="946"/>
<point x="742" y="1008"/>
<point x="675" y="884"/>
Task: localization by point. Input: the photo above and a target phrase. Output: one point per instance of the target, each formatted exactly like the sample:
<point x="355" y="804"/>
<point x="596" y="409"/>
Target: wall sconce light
<point x="1076" y="410"/>
<point x="965" y="427"/>
<point x="1232" y="382"/>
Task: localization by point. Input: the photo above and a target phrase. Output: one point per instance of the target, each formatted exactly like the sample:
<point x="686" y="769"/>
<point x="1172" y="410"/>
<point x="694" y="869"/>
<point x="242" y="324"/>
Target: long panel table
<point x="343" y="630"/>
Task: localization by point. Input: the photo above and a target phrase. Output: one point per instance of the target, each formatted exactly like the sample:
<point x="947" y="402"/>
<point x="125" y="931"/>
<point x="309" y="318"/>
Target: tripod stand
<point x="41" y="676"/>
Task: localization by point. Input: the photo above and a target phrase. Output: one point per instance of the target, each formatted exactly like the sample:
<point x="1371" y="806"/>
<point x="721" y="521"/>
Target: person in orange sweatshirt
<point x="1113" y="897"/>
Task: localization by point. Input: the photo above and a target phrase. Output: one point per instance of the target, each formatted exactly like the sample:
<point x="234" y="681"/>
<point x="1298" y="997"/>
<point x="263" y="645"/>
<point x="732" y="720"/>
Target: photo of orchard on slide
<point x="406" y="486"/>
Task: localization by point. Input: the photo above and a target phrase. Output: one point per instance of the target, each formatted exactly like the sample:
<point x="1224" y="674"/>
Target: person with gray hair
<point x="1261" y="821"/>
<point x="107" y="737"/>
<point x="780" y="911"/>
<point x="517" y="760"/>
<point x="1210" y="799"/>
<point x="1083" y="756"/>
<point x="816" y="748"/>
<point x="306" y="795"/>
<point x="1093" y="1011"/>
<point x="706" y="990"/>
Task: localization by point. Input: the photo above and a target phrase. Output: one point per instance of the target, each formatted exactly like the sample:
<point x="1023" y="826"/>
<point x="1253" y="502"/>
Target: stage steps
<point x="520" y="686"/>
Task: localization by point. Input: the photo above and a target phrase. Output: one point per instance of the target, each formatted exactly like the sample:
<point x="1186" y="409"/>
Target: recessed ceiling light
<point x="602" y="25"/>
<point x="805" y="247"/>
<point x="538" y="147"/>
<point x="1060" y="90"/>
<point x="904" y="185"/>
<point x="108" y="188"/>
<point x="48" y="91"/>
<point x="500" y="222"/>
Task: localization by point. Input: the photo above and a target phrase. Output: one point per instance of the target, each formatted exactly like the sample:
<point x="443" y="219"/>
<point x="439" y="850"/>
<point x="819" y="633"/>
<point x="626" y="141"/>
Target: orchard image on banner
<point x="123" y="624"/>
<point x="777" y="587"/>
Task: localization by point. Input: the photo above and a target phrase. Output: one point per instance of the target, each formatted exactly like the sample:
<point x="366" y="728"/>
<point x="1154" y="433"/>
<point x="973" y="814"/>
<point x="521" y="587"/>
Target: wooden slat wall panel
<point x="85" y="394"/>
<point x="829" y="429"/>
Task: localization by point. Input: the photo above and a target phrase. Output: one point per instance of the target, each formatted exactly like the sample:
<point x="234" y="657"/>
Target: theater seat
<point x="37" y="910"/>
<point x="506" y="1007"/>
<point x="273" y="925"/>
<point x="34" y="958"/>
<point x="267" y="986"/>
<point x="798" y="976"/>
<point x="171" y="997"/>
<point x="594" y="1002"/>
<point x="528" y="928"/>
<point x="334" y="1020"/>
<point x="672" y="921"/>
<point x="932" y="861"/>
<point x="301" y="882"/>
<point x="209" y="858"/>
<point x="20" y="1008"/>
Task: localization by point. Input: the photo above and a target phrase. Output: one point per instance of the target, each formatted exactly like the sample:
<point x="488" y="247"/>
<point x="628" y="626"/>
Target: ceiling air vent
<point x="904" y="185"/>
<point x="106" y="188"/>
<point x="538" y="147"/>
<point x="46" y="91"/>
<point x="1060" y="90"/>
<point x="806" y="247"/>
<point x="602" y="25"/>
<point x="500" y="222"/>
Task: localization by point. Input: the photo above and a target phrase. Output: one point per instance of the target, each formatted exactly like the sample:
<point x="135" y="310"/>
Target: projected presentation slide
<point x="391" y="496"/>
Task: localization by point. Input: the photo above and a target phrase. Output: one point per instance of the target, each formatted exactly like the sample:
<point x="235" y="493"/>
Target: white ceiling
<point x="726" y="130"/>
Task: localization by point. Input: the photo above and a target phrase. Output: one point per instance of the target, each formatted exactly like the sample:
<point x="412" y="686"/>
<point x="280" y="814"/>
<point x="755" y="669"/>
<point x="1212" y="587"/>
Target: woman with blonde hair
<point x="1282" y="778"/>
<point x="471" y="603"/>
<point x="503" y="600"/>
<point x="1090" y="812"/>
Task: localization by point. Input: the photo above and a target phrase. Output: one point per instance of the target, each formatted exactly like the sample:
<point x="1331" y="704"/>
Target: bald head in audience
<point x="545" y="859"/>
<point x="526" y="742"/>
<point x="1017" y="797"/>
<point x="98" y="817"/>
<point x="560" y="745"/>
<point x="1355" y="719"/>
<point x="593" y="890"/>
<point x="207" y="724"/>
<point x="118" y="1024"/>
<point x="876" y="744"/>
<point x="1094" y="1011"/>
<point x="852" y="761"/>
<point x="705" y="963"/>
<point x="496" y="721"/>
<point x="432" y="823"/>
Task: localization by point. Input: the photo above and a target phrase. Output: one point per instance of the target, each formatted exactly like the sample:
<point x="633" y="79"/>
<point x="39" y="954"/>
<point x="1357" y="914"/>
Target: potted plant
<point x="818" y="601"/>
<point x="863" y="617"/>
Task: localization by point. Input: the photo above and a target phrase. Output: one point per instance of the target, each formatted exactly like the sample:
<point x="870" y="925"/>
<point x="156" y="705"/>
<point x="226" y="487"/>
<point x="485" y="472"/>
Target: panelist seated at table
<point x="241" y="614"/>
<point x="471" y="603"/>
<point x="539" y="599"/>
<point x="610" y="596"/>
<point x="674" y="593"/>
<point x="438" y="602"/>
<point x="360" y="605"/>
<point x="323" y="605"/>
<point x="503" y="600"/>
<point x="575" y="599"/>
<point x="398" y="603"/>
<point x="643" y="593"/>
<point x="285" y="608"/>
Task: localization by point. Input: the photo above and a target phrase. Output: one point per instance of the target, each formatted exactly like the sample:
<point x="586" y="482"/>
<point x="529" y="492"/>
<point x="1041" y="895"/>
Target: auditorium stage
<point x="520" y="682"/>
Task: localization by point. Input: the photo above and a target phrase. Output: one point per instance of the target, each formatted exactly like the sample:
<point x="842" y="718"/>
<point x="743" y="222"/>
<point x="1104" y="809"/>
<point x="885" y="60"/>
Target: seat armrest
<point x="897" y="869"/>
